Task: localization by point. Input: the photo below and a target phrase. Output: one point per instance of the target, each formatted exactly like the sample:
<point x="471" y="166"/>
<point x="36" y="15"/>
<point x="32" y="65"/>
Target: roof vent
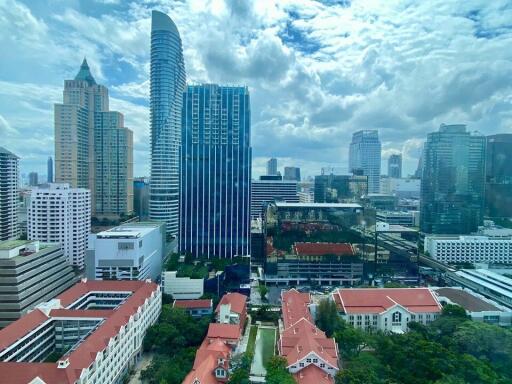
<point x="63" y="363"/>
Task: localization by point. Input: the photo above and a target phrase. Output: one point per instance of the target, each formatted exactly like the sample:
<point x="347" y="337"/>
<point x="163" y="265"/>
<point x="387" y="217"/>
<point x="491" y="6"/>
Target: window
<point x="397" y="317"/>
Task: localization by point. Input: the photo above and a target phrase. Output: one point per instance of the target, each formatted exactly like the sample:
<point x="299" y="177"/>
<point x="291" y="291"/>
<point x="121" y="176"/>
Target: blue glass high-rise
<point x="167" y="87"/>
<point x="215" y="171"/>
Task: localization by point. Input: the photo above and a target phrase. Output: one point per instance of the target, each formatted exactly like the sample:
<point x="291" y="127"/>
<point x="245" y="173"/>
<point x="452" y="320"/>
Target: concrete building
<point x="195" y="308"/>
<point x="306" y="197"/>
<point x="405" y="218"/>
<point x="49" y="170"/>
<point x="141" y="198"/>
<point x="364" y="155"/>
<point x="131" y="251"/>
<point x="498" y="176"/>
<point x="30" y="273"/>
<point x="266" y="191"/>
<point x="272" y="167"/>
<point x="311" y="356"/>
<point x="181" y="288"/>
<point x="291" y="173"/>
<point x="33" y="179"/>
<point x="333" y="188"/>
<point x="477" y="307"/>
<point x="60" y="214"/>
<point x="395" y="166"/>
<point x="469" y="249"/>
<point x="167" y="83"/>
<point x="386" y="309"/>
<point x="113" y="154"/>
<point x="97" y="328"/>
<point x="402" y="188"/>
<point x="380" y="201"/>
<point x="9" y="180"/>
<point x="453" y="181"/>
<point x="215" y="179"/>
<point x="487" y="283"/>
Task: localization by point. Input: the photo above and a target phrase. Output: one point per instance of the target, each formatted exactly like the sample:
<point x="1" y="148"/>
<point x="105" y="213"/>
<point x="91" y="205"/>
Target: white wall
<point x="182" y="288"/>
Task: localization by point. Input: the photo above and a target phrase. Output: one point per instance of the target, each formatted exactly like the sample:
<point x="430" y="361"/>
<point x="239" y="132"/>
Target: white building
<point x="181" y="288"/>
<point x="60" y="214"/>
<point x="469" y="249"/>
<point x="265" y="191"/>
<point x="365" y="157"/>
<point x="131" y="251"/>
<point x="96" y="346"/>
<point x="405" y="218"/>
<point x="404" y="188"/>
<point x="386" y="309"/>
<point x="9" y="169"/>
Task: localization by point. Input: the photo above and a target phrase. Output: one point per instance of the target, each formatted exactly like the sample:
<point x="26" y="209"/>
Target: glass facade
<point x="498" y="186"/>
<point x="166" y="95"/>
<point x="452" y="183"/>
<point x="216" y="171"/>
<point x="364" y="157"/>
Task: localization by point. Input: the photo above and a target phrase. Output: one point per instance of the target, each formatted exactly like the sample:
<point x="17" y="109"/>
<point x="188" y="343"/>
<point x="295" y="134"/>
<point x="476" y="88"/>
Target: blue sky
<point x="317" y="70"/>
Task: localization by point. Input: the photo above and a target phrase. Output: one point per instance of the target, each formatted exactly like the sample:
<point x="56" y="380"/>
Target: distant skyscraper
<point x="93" y="149"/>
<point x="452" y="186"/>
<point x="395" y="166"/>
<point x="498" y="186"/>
<point x="113" y="146"/>
<point x="264" y="191"/>
<point x="167" y="87"/>
<point x="60" y="214"/>
<point x="33" y="179"/>
<point x="49" y="171"/>
<point x="364" y="155"/>
<point x="215" y="171"/>
<point x="9" y="170"/>
<point x="419" y="169"/>
<point x="141" y="198"/>
<point x="272" y="167"/>
<point x="291" y="173"/>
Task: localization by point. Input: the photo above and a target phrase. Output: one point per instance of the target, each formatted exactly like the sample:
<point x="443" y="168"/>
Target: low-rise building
<point x="367" y="253"/>
<point x="97" y="326"/>
<point x="182" y="288"/>
<point x="30" y="273"/>
<point x="477" y="307"/>
<point x="195" y="308"/>
<point x="405" y="218"/>
<point x="232" y="309"/>
<point x="386" y="309"/>
<point x="469" y="249"/>
<point x="311" y="356"/>
<point x="132" y="251"/>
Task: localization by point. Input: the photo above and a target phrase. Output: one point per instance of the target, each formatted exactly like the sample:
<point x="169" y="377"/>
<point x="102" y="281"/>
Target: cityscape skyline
<point x="344" y="104"/>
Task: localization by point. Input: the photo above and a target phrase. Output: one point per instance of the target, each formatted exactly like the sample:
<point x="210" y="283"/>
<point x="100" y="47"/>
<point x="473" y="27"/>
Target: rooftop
<point x="187" y="304"/>
<point x="236" y="300"/>
<point x="223" y="331"/>
<point x="283" y="204"/>
<point x="466" y="300"/>
<point x="11" y="244"/>
<point x="294" y="306"/>
<point x="320" y="249"/>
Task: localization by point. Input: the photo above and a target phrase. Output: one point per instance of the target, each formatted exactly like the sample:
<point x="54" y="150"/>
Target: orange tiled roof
<point x="223" y="331"/>
<point x="189" y="304"/>
<point x="320" y="249"/>
<point x="207" y="360"/>
<point x="236" y="300"/>
<point x="313" y="375"/>
<point x="294" y="306"/>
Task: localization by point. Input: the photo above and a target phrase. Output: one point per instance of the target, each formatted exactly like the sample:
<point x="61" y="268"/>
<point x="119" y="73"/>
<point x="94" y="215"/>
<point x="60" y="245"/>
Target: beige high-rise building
<point x="77" y="161"/>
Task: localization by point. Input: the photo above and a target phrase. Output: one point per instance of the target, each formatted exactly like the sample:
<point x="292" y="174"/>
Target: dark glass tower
<point x="166" y="95"/>
<point x="215" y="171"/>
<point x="452" y="183"/>
<point x="498" y="185"/>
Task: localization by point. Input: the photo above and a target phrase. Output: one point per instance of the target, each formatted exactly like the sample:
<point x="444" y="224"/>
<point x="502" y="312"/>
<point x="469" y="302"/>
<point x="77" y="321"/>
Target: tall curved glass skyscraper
<point x="166" y="98"/>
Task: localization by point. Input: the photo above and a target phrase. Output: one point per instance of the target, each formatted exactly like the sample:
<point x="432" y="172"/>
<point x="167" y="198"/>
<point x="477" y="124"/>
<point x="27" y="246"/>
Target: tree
<point x="454" y="310"/>
<point x="263" y="290"/>
<point x="277" y="372"/>
<point x="364" y="369"/>
<point x="351" y="340"/>
<point x="327" y="317"/>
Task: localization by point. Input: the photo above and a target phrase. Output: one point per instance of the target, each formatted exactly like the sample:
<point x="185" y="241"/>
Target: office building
<point x="386" y="309"/>
<point x="364" y="156"/>
<point x="395" y="166"/>
<point x="215" y="171"/>
<point x="49" y="170"/>
<point x="31" y="273"/>
<point x="498" y="183"/>
<point x="291" y="173"/>
<point x="469" y="249"/>
<point x="266" y="191"/>
<point x="60" y="214"/>
<point x="95" y="327"/>
<point x="311" y="356"/>
<point x="380" y="201"/>
<point x="333" y="188"/>
<point x="93" y="150"/>
<point x="272" y="167"/>
<point x="452" y="186"/>
<point x="9" y="180"/>
<point x="402" y="188"/>
<point x="166" y="98"/>
<point x="141" y="198"/>
<point x="33" y="179"/>
<point x="113" y="147"/>
<point x="132" y="251"/>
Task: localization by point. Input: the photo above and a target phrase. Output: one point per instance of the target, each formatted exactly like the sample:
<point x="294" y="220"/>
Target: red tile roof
<point x="223" y="331"/>
<point x="236" y="300"/>
<point x="85" y="353"/>
<point x="96" y="313"/>
<point x="188" y="304"/>
<point x="320" y="249"/>
<point x="26" y="372"/>
<point x="206" y="362"/>
<point x="294" y="306"/>
<point x="313" y="375"/>
<point x="377" y="300"/>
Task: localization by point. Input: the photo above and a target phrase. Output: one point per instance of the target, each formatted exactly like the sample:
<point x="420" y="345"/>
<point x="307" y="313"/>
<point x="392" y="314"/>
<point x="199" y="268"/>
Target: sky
<point x="317" y="71"/>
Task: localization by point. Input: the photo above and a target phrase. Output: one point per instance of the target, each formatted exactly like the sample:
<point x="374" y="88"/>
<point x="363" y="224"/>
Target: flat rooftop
<point x="128" y="231"/>
<point x="317" y="205"/>
<point x="466" y="300"/>
<point x="11" y="244"/>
